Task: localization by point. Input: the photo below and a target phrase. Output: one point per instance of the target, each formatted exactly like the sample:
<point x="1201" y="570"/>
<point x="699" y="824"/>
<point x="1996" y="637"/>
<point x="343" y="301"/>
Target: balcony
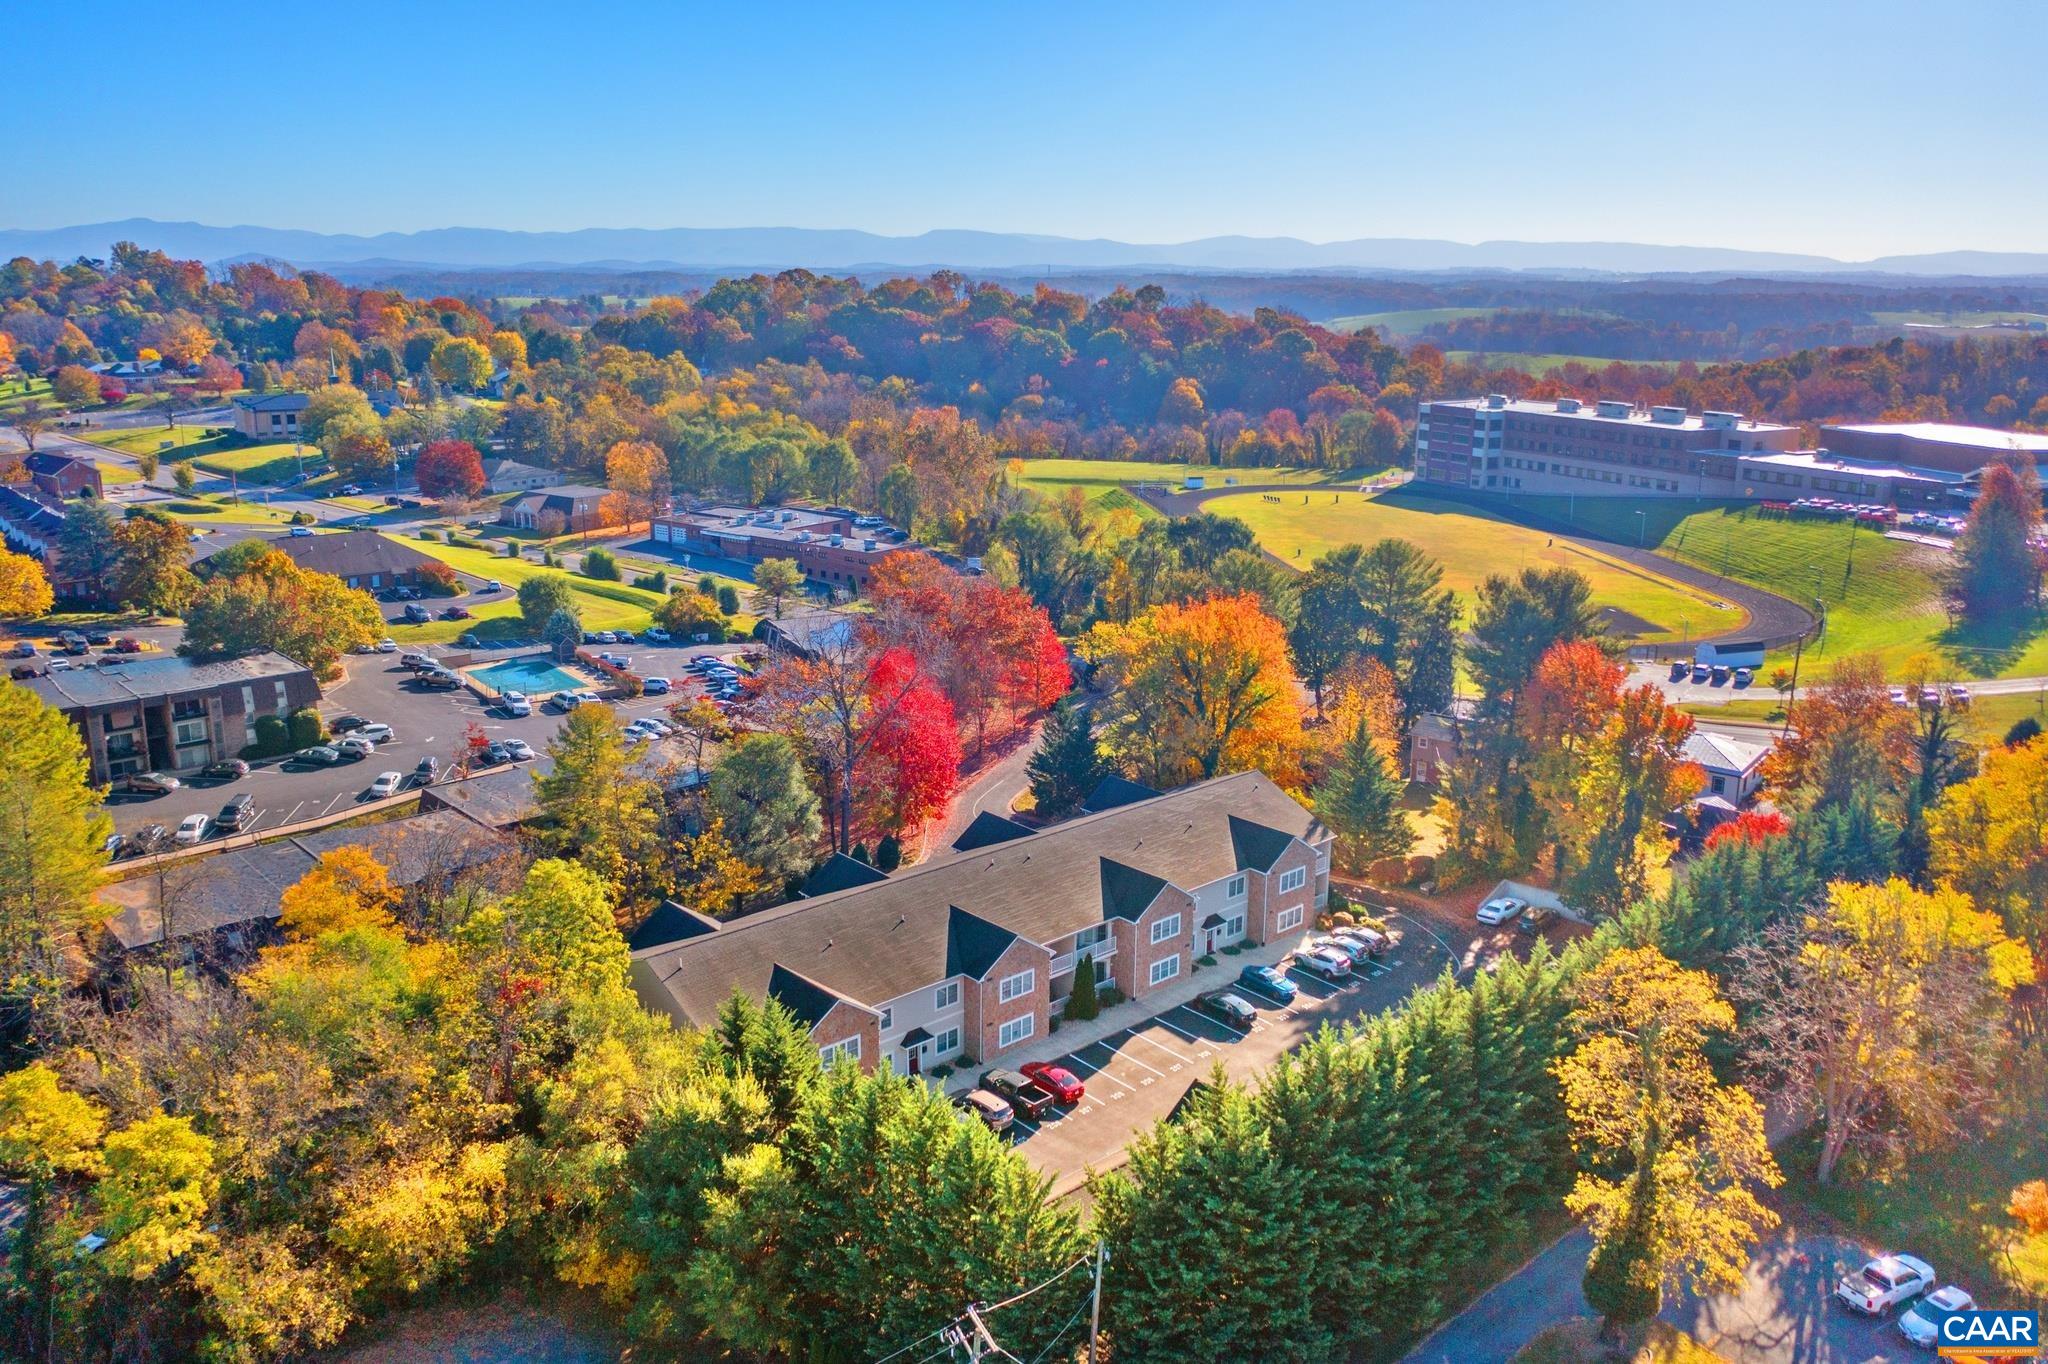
<point x="1064" y="963"/>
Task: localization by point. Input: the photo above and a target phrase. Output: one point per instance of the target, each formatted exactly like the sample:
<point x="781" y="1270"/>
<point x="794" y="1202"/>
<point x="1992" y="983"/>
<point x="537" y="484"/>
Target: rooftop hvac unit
<point x="868" y="543"/>
<point x="1608" y="407"/>
<point x="1496" y="400"/>
<point x="836" y="541"/>
<point x="1721" y="421"/>
<point x="803" y="537"/>
<point x="1567" y="404"/>
<point x="1668" y="416"/>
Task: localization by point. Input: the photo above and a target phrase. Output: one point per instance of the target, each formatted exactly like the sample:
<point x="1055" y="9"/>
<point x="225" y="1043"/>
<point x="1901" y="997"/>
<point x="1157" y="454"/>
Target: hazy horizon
<point x="1753" y="126"/>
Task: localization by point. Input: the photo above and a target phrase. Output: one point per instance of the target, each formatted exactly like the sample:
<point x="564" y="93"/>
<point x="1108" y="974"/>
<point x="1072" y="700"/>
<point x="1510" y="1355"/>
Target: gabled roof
<point x="1111" y="792"/>
<point x="840" y="872"/>
<point x="973" y="943"/>
<point x="670" y="922"/>
<point x="989" y="829"/>
<point x="1719" y="753"/>
<point x="879" y="942"/>
<point x="1126" y="891"/>
<point x="1257" y="846"/>
<point x="802" y="996"/>
<point x="273" y="402"/>
<point x="46" y="462"/>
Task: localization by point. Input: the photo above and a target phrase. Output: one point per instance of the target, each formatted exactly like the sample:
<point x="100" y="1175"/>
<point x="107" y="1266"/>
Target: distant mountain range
<point x="772" y="248"/>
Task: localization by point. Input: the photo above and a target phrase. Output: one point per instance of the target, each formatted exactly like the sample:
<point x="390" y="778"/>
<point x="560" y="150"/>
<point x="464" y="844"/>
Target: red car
<point x="1055" y="1080"/>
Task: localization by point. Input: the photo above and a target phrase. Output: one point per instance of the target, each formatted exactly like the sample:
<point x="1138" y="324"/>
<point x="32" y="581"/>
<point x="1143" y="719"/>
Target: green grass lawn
<point x="1946" y="1206"/>
<point x="16" y="391"/>
<point x="1404" y="321"/>
<point x="184" y="441"/>
<point x="272" y="463"/>
<point x="202" y="508"/>
<point x="1471" y="544"/>
<point x="1882" y="596"/>
<point x="111" y="472"/>
<point x="1105" y="482"/>
<point x="1531" y="362"/>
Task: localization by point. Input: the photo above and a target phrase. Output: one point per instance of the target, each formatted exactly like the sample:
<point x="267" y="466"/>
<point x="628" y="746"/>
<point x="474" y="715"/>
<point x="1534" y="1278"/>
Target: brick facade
<point x="844" y="1021"/>
<point x="985" y="1012"/>
<point x="1267" y="901"/>
<point x="1136" y="952"/>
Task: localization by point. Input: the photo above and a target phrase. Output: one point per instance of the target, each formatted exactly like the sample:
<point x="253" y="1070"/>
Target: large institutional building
<point x="1558" y="447"/>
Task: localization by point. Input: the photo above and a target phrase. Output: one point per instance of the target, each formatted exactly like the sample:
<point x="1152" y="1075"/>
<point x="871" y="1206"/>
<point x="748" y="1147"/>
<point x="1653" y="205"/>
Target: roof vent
<point x="1567" y="404"/>
<point x="1721" y="421"/>
<point x="1668" y="416"/>
<point x="1608" y="407"/>
<point x="1496" y="400"/>
<point x="837" y="540"/>
<point x="868" y="543"/>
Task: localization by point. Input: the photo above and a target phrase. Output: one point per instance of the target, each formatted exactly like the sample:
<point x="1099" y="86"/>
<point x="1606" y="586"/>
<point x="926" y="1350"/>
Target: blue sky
<point x="1844" y="129"/>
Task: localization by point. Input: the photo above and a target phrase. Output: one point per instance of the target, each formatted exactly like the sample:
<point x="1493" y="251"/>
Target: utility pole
<point x="1798" y="649"/>
<point x="1095" y="1310"/>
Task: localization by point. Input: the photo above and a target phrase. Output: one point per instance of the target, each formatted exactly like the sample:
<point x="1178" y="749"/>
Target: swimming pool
<point x="534" y="674"/>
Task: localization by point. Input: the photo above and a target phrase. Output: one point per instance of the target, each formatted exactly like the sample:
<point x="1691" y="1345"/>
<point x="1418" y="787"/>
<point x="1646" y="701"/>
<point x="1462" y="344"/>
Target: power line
<point x="967" y="1330"/>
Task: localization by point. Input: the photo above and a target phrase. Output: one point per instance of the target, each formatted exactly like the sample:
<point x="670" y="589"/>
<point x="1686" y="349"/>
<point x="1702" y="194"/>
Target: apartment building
<point x="833" y="546"/>
<point x="1513" y="445"/>
<point x="969" y="956"/>
<point x="170" y="713"/>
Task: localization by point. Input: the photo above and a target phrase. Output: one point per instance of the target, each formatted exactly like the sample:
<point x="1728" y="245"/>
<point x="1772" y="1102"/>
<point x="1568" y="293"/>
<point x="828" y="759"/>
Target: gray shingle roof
<point x="347" y="554"/>
<point x="670" y="922"/>
<point x="973" y="943"/>
<point x="802" y="996"/>
<point x="987" y="830"/>
<point x="875" y="943"/>
<point x="840" y="872"/>
<point x="274" y="402"/>
<point x="1111" y="792"/>
<point x="1258" y="847"/>
<point x="1126" y="891"/>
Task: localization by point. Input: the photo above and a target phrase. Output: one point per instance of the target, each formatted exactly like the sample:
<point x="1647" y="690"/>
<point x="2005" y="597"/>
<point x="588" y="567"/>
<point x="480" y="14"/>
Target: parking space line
<point x="1176" y="1030"/>
<point x="1136" y="1062"/>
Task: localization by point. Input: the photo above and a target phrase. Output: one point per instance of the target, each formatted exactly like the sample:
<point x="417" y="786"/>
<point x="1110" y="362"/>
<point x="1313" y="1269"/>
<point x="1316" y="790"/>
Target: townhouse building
<point x="970" y="956"/>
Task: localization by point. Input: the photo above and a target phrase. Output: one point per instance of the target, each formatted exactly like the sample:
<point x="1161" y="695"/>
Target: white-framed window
<point x="1165" y="969"/>
<point x="1234" y="925"/>
<point x="1015" y="1031"/>
<point x="1237" y="886"/>
<point x="946" y="1043"/>
<point x="1168" y="927"/>
<point x="1293" y="879"/>
<point x="947" y="996"/>
<point x="1289" y="918"/>
<point x="832" y="1052"/>
<point x="888" y="1017"/>
<point x="1014" y="987"/>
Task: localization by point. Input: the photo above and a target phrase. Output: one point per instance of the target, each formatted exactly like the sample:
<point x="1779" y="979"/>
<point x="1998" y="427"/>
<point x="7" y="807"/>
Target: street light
<point x="1642" y="528"/>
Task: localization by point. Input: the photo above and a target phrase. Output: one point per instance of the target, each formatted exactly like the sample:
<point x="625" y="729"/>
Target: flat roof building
<point x="826" y="542"/>
<point x="171" y="713"/>
<point x="969" y="956"/>
<point x="270" y="416"/>
<point x="1564" y="446"/>
<point x="1934" y="445"/>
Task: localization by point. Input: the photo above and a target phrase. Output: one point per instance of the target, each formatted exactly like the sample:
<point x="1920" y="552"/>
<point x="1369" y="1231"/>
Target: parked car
<point x="1330" y="965"/>
<point x="387" y="645"/>
<point x="147" y="839"/>
<point x="1537" y="917"/>
<point x="657" y="635"/>
<point x="346" y="724"/>
<point x="60" y="665"/>
<point x="415" y="614"/>
<point x="521" y="751"/>
<point x="99" y="638"/>
<point x="639" y="730"/>
<point x="654" y="686"/>
<point x="355" y="746"/>
<point x="1226" y="1008"/>
<point x="351" y="490"/>
<point x="24" y="649"/>
<point x="1884" y="1283"/>
<point x="1500" y="909"/>
<point x="1057" y="1081"/>
<point x="515" y="704"/>
<point x="387" y="784"/>
<point x="1958" y="694"/>
<point x="1744" y="676"/>
<point x="127" y="644"/>
<point x="607" y="636"/>
<point x="192" y="828"/>
<point x="493" y="586"/>
<point x="987" y="1108"/>
<point x="496" y="755"/>
<point x="1679" y="670"/>
<point x="1372" y="940"/>
<point x="1898" y="695"/>
<point x="456" y="613"/>
<point x="1269" y="982"/>
<point x="376" y="731"/>
<point x="227" y="769"/>
<point x="299" y="532"/>
<point x="624" y="636"/>
<point x="1023" y="1095"/>
<point x="151" y="783"/>
<point x="1921" y="1322"/>
<point x="440" y="681"/>
<point x="236" y="812"/>
<point x="418" y="662"/>
<point x="320" y="754"/>
<point x="1353" y="951"/>
<point x="427" y="769"/>
<point x="1701" y="672"/>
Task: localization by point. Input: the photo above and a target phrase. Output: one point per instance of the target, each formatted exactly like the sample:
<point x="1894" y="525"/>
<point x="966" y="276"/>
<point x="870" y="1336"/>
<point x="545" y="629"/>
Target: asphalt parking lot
<point x="425" y="723"/>
<point x="1135" y="1076"/>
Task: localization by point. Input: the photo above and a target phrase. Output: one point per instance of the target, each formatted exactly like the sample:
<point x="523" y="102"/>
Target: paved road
<point x="995" y="789"/>
<point x="1781" y="1316"/>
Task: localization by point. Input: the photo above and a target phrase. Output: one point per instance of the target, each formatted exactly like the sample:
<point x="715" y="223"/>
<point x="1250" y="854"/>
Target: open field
<point x="1882" y="596"/>
<point x="16" y="391"/>
<point x="259" y="463"/>
<point x="1104" y="481"/>
<point x="1403" y="322"/>
<point x="116" y="474"/>
<point x="202" y="508"/>
<point x="605" y="606"/>
<point x="184" y="441"/>
<point x="1964" y="318"/>
<point x="1472" y="544"/>
<point x="1530" y="362"/>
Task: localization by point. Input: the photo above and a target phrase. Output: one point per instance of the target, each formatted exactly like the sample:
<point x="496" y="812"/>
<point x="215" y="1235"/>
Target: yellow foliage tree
<point x="1198" y="690"/>
<point x="154" y="1197"/>
<point x="1989" y="839"/>
<point x="24" y="587"/>
<point x="347" y="888"/>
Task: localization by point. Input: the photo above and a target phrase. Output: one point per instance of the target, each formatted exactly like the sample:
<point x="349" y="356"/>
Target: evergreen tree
<point x="1328" y="620"/>
<point x="1624" y="1279"/>
<point x="86" y="546"/>
<point x="770" y="811"/>
<point x="1993" y="574"/>
<point x="1360" y="800"/>
<point x="888" y="853"/>
<point x="592" y="806"/>
<point x="2024" y="730"/>
<point x="1204" y="1228"/>
<point x="860" y="854"/>
<point x="1068" y="764"/>
<point x="1083" y="1004"/>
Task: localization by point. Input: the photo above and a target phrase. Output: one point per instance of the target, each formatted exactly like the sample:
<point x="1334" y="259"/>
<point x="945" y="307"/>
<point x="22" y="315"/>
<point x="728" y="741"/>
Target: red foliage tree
<point x="913" y="765"/>
<point x="113" y="391"/>
<point x="450" y="468"/>
<point x="1751" y="826"/>
<point x="217" y="376"/>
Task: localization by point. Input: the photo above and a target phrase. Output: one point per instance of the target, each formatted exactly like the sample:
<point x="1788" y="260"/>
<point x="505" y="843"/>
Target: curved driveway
<point x="1771" y="617"/>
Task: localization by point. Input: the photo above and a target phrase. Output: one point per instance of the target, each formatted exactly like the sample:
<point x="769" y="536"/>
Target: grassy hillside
<point x="1881" y="596"/>
<point x="1530" y="362"/>
<point x="1403" y="322"/>
<point x="1103" y="481"/>
<point x="1472" y="544"/>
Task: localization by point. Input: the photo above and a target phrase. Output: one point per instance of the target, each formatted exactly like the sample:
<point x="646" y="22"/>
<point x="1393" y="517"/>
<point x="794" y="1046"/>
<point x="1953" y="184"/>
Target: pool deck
<point x="538" y="685"/>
